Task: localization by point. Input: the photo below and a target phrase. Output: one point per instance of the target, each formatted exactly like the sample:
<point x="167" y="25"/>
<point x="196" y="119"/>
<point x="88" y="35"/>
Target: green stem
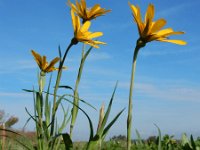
<point x="130" y="104"/>
<point x="76" y="97"/>
<point x="56" y="88"/>
<point x="39" y="106"/>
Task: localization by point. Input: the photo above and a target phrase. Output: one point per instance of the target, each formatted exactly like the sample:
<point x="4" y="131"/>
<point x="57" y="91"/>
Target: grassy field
<point x="159" y="142"/>
<point x="51" y="134"/>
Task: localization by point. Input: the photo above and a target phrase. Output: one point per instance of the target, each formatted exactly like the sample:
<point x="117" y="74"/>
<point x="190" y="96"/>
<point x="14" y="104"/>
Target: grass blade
<point x="100" y="131"/>
<point x="111" y="123"/>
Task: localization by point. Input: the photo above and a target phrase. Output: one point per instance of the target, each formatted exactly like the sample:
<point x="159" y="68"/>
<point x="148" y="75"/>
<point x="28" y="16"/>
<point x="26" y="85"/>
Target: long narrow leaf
<point x="68" y="142"/>
<point x="65" y="119"/>
<point x="60" y="53"/>
<point x="193" y="143"/>
<point x="105" y="131"/>
<point x="159" y="136"/>
<point x="47" y="110"/>
<point x="100" y="131"/>
<point x="32" y="117"/>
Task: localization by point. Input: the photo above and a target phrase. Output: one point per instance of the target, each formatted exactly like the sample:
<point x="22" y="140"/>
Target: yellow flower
<point x="43" y="64"/>
<point x="81" y="33"/>
<point x="87" y="13"/>
<point x="150" y="30"/>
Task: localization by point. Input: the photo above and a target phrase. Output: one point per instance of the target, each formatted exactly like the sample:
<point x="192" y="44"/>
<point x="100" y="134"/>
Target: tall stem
<point x="76" y="97"/>
<point x="56" y="87"/>
<point x="130" y="104"/>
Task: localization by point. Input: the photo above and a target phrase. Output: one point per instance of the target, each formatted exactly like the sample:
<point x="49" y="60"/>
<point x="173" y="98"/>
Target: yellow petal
<point x="95" y="34"/>
<point x="85" y="26"/>
<point x="137" y="17"/>
<point x="99" y="42"/>
<point x="37" y="57"/>
<point x="78" y="24"/>
<point x="148" y="20"/>
<point x="149" y="14"/>
<point x="73" y="20"/>
<point x="146" y="30"/>
<point x="73" y="7"/>
<point x="83" y="5"/>
<point x="78" y="6"/>
<point x="179" y="42"/>
<point x="92" y="44"/>
<point x="159" y="24"/>
<point x="133" y="8"/>
<point x="164" y="31"/>
<point x="52" y="63"/>
<point x="173" y="33"/>
<point x="94" y="10"/>
<point x="44" y="63"/>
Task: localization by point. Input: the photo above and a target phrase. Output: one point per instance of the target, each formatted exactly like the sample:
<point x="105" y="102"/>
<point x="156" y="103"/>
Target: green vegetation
<point x="48" y="99"/>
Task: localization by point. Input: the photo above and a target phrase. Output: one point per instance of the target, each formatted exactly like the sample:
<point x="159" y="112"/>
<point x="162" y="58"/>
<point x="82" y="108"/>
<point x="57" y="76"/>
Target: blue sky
<point x="167" y="83"/>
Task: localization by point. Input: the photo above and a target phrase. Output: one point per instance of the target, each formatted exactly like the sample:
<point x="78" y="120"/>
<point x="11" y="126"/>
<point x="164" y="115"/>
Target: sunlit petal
<point x="95" y="34"/>
<point x="85" y="13"/>
<point x="159" y="24"/>
<point x="44" y="63"/>
<point x="149" y="14"/>
<point x="150" y="30"/>
<point x="173" y="33"/>
<point x="164" y="31"/>
<point x="52" y="63"/>
<point x="179" y="42"/>
<point x="73" y="20"/>
<point x="85" y="26"/>
<point x="37" y="57"/>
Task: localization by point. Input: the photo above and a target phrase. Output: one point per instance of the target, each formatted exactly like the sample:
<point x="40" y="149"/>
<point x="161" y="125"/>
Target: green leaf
<point x="27" y="121"/>
<point x="65" y="119"/>
<point x="58" y="102"/>
<point x="139" y="139"/>
<point x="67" y="141"/>
<point x="47" y="110"/>
<point x="66" y="87"/>
<point x="105" y="131"/>
<point x="32" y="117"/>
<point x="192" y="143"/>
<point x="26" y="90"/>
<point x="100" y="131"/>
<point x="83" y="101"/>
<point x="87" y="53"/>
<point x="159" y="138"/>
<point x="60" y="53"/>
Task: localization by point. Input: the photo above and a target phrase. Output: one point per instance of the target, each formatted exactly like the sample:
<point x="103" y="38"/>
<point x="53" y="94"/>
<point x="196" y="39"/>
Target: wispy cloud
<point x="158" y="51"/>
<point x="16" y="66"/>
<point x="174" y="92"/>
<point x="97" y="56"/>
<point x="93" y="56"/>
<point x="15" y="95"/>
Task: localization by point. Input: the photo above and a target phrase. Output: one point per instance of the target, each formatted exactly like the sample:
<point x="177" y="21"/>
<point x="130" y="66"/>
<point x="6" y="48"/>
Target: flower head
<point x="87" y="13"/>
<point x="81" y="33"/>
<point x="43" y="64"/>
<point x="150" y="30"/>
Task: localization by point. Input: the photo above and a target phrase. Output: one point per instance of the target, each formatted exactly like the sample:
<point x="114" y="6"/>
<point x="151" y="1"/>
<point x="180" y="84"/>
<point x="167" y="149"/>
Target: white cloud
<point x="97" y="56"/>
<point x="16" y="66"/>
<point x="163" y="90"/>
<point x="169" y="92"/>
<point x="93" y="56"/>
<point x="14" y="95"/>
